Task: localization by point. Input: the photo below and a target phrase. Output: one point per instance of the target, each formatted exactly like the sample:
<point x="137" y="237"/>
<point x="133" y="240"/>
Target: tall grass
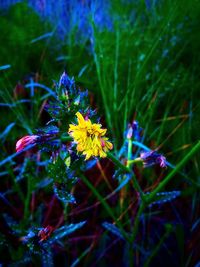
<point x="143" y="67"/>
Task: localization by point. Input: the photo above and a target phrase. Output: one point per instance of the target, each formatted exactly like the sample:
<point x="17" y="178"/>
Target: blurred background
<point x="139" y="61"/>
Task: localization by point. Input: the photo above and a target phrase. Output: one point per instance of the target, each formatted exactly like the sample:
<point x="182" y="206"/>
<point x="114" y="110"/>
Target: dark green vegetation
<point x="145" y="67"/>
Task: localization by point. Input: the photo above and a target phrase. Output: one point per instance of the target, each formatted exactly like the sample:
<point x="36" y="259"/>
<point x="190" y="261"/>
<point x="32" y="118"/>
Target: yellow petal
<point x="89" y="138"/>
<point x="109" y="145"/>
<point x="80" y="118"/>
<point x="102" y="154"/>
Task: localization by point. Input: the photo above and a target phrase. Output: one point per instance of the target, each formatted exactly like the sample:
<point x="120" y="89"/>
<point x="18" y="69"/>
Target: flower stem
<point x="137" y="220"/>
<point x="173" y="172"/>
<point x="117" y="162"/>
<point x="133" y="161"/>
<point x="157" y="247"/>
<point x="123" y="191"/>
<point x="129" y="156"/>
<point x="106" y="206"/>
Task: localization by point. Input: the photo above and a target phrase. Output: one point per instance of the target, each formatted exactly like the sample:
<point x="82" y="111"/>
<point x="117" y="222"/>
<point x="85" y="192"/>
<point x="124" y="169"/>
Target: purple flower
<point x="151" y="158"/>
<point x="66" y="81"/>
<point x="134" y="131"/>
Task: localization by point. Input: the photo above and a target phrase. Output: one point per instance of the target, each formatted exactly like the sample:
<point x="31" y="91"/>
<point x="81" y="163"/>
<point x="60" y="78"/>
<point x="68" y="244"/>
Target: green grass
<point x="146" y="69"/>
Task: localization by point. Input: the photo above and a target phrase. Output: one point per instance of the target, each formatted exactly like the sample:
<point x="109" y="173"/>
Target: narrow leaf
<point x="113" y="229"/>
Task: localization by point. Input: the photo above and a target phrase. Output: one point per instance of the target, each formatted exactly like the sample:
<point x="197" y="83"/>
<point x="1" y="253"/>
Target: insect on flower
<point x="90" y="138"/>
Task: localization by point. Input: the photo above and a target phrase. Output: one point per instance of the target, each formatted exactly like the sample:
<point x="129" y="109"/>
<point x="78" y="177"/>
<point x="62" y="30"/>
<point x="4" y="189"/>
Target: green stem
<point x="133" y="161"/>
<point x="137" y="220"/>
<point x="116" y="72"/>
<point x="173" y="172"/>
<point x="104" y="203"/>
<point x="156" y="249"/>
<point x="117" y="162"/>
<point x="129" y="156"/>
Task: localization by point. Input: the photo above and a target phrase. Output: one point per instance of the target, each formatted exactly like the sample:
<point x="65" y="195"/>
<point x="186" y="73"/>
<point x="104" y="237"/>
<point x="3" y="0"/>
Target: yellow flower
<point x="90" y="138"/>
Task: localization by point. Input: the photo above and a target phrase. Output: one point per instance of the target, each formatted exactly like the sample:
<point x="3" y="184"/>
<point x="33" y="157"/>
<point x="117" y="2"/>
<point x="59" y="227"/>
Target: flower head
<point x="65" y="80"/>
<point x="26" y="141"/>
<point x="90" y="138"/>
<point x="152" y="157"/>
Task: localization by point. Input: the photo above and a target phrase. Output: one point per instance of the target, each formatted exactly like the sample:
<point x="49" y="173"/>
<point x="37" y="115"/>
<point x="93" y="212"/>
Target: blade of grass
<point x="104" y="203"/>
<point x="162" y="184"/>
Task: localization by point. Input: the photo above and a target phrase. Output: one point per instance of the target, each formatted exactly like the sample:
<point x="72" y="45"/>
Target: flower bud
<point x="151" y="158"/>
<point x="26" y="141"/>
